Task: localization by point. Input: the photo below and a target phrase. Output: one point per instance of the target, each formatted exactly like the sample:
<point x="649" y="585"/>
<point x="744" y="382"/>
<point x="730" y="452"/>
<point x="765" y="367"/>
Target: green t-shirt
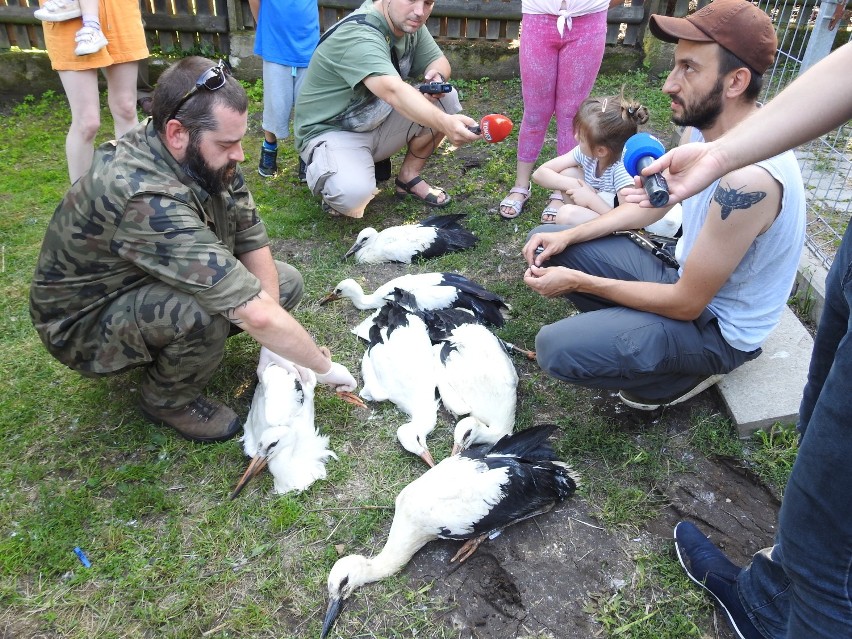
<point x="333" y="95"/>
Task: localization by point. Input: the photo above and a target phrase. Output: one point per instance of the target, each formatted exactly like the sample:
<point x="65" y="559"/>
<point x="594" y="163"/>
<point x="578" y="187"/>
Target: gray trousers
<point x="617" y="348"/>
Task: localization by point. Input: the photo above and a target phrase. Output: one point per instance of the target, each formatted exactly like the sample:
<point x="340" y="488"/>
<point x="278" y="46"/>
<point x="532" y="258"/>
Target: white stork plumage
<point x="279" y="431"/>
<point x="434" y="236"/>
<point x="430" y="291"/>
<point x="398" y="366"/>
<point x="469" y="496"/>
<point x="476" y="378"/>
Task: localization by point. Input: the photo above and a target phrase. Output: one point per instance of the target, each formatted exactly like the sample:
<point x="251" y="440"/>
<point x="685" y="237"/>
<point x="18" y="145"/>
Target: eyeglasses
<point x="212" y="79"/>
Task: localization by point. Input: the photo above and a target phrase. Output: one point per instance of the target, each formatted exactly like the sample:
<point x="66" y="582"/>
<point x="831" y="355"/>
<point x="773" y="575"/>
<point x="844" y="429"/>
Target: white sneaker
<point x="89" y="40"/>
<point x="58" y="11"/>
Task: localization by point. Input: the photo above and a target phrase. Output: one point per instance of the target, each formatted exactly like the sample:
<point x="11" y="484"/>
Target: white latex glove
<point x="338" y="377"/>
<point x="267" y="357"/>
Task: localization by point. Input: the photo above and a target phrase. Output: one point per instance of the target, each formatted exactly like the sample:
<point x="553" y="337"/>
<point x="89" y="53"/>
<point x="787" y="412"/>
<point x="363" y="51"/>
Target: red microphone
<point x="493" y="127"/>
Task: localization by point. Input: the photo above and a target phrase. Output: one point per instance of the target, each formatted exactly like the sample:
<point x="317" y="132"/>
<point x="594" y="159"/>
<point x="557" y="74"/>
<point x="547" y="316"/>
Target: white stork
<point x="430" y="291"/>
<point x="476" y="378"/>
<point x="279" y="430"/>
<point x="398" y="366"/>
<point x="469" y="496"/>
<point x="434" y="236"/>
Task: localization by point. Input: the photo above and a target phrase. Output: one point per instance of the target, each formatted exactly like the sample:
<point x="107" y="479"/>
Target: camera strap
<point x="361" y="18"/>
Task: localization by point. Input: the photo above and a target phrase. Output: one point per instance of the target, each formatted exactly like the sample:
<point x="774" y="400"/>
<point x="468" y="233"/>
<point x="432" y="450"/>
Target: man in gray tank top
<point x="662" y="331"/>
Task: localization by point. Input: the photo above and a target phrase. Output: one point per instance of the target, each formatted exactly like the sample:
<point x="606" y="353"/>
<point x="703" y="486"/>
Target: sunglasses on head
<point x="212" y="79"/>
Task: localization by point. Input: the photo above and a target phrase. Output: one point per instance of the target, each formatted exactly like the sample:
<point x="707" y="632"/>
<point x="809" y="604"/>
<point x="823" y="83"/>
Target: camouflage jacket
<point x="135" y="218"/>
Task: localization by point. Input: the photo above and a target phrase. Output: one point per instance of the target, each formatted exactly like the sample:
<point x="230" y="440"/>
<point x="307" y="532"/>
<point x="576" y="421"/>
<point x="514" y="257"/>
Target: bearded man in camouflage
<point x="157" y="254"/>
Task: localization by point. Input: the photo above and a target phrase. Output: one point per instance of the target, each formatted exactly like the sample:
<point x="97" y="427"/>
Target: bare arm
<point x="416" y="107"/>
<point x="261" y="264"/>
<point x="254" y="5"/>
<point x="724" y="240"/>
<point x="626" y="216"/>
<point x="549" y="175"/>
<point x="815" y="103"/>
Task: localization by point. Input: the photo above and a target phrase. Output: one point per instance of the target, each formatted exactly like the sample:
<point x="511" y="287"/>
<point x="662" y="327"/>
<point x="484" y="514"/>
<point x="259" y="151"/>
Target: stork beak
<point x="351" y="398"/>
<point x="353" y="250"/>
<point x="330" y="297"/>
<point x="456" y="449"/>
<point x="427" y="457"/>
<point x="257" y="464"/>
<point x="331" y="615"/>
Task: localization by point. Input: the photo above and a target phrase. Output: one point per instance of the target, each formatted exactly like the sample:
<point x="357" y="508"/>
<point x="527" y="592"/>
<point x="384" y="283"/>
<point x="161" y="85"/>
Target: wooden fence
<point x="173" y="25"/>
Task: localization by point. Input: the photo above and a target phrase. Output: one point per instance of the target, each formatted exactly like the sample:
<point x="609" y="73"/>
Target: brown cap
<point x="737" y="25"/>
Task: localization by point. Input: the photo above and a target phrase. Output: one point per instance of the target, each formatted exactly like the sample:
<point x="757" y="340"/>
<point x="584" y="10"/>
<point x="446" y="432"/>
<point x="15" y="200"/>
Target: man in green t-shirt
<point x="355" y="108"/>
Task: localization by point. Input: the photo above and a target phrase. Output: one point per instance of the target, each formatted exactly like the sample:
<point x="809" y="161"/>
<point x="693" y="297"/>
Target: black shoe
<point x="268" y="165"/>
<point x="303" y="171"/>
<point x="202" y="420"/>
<point x="707" y="566"/>
<point x="640" y="403"/>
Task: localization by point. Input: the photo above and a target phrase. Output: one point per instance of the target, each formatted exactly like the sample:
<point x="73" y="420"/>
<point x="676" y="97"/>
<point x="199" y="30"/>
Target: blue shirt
<point x="287" y="31"/>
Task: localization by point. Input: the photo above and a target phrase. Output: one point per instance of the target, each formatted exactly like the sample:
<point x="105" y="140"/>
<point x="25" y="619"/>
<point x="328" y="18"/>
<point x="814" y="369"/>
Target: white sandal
<point x="548" y="215"/>
<point x="516" y="205"/>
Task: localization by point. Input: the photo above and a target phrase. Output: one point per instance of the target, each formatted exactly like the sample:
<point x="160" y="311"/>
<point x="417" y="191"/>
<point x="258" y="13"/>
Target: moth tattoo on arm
<point x="731" y="199"/>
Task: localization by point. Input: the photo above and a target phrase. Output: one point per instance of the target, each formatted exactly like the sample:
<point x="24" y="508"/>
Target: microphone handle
<point x="475" y="129"/>
<point x="655" y="185"/>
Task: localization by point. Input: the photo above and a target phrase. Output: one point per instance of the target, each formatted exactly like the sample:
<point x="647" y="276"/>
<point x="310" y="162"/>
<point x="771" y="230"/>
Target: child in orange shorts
<point x="90" y="39"/>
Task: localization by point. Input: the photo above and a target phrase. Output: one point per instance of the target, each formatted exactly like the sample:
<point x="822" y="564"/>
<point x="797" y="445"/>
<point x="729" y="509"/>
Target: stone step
<point x="769" y="389"/>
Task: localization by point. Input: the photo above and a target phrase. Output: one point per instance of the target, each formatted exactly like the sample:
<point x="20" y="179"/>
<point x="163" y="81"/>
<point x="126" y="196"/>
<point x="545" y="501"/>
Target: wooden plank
<point x="632" y="35"/>
<point x="492" y="31"/>
<point x="164" y="22"/>
<point x="513" y="29"/>
<point x="202" y="24"/>
<point x="454" y="28"/>
<point x="186" y="36"/>
<point x="5" y="42"/>
<point x="612" y="31"/>
<point x="627" y="15"/>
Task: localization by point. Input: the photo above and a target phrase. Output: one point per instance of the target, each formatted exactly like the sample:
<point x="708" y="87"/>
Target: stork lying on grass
<point x="476" y="378"/>
<point x="398" y="367"/>
<point x="279" y="431"/>
<point x="469" y="496"/>
<point x="434" y="236"/>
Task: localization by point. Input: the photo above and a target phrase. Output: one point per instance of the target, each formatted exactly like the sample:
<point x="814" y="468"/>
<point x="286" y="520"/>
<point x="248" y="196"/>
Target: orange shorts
<point x="121" y="22"/>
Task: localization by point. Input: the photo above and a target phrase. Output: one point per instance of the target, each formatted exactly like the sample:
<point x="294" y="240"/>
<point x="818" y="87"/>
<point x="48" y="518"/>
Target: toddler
<point x="601" y="127"/>
<point x="90" y="38"/>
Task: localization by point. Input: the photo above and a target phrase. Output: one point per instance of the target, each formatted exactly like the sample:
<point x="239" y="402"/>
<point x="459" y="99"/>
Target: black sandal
<point x="430" y="200"/>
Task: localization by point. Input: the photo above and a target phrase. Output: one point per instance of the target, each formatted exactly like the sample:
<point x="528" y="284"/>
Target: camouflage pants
<point x="183" y="344"/>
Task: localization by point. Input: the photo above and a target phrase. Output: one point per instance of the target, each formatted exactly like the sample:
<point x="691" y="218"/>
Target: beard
<point x="210" y="179"/>
<point x="703" y="112"/>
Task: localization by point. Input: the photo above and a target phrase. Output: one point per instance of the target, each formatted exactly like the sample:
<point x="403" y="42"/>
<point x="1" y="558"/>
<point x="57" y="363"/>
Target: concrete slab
<point x="769" y="389"/>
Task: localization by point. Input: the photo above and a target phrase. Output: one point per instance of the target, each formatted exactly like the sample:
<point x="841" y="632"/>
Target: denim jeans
<point x="801" y="588"/>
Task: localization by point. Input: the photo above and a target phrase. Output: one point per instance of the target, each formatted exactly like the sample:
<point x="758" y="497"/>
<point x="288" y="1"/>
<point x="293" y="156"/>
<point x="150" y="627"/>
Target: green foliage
<point x="171" y="556"/>
<point x="775" y="453"/>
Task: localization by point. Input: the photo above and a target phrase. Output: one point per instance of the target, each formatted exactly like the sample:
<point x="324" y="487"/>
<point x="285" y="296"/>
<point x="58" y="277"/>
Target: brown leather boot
<point x="202" y="420"/>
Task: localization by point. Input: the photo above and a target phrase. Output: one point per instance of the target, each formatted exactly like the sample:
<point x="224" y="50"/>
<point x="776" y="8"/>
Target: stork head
<point x="412" y="436"/>
<point x="468" y="431"/>
<point x="361" y="241"/>
<point x="347" y="288"/>
<point x="347" y="574"/>
<point x="272" y="442"/>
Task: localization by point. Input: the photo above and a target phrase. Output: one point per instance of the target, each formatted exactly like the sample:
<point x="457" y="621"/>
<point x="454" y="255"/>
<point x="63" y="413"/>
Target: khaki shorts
<point x="121" y="23"/>
<point x="340" y="164"/>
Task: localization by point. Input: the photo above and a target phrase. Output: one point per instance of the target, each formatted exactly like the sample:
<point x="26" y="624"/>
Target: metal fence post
<point x="821" y="40"/>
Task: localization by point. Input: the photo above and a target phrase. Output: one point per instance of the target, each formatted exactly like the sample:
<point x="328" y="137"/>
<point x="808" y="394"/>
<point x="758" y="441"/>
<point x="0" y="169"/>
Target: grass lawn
<point x="171" y="556"/>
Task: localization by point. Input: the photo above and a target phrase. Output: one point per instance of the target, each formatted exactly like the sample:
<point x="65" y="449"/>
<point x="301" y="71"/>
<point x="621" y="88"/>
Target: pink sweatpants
<point x="557" y="74"/>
